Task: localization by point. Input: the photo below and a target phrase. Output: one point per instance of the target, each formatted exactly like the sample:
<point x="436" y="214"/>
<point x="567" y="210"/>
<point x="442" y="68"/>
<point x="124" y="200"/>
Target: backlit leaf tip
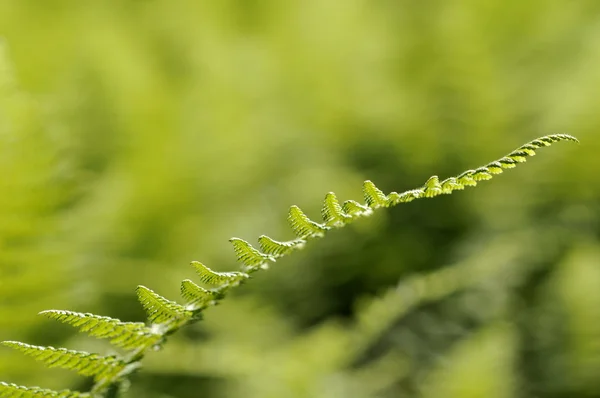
<point x="127" y="335"/>
<point x="278" y="249"/>
<point x="222" y="279"/>
<point x="303" y="226"/>
<point x="373" y="195"/>
<point x="549" y="139"/>
<point x="332" y="212"/>
<point x="519" y="155"/>
<point x="159" y="309"/>
<point x="196" y="296"/>
<point x="84" y="363"/>
<point x="15" y="391"/>
<point x="433" y="187"/>
<point x="249" y="256"/>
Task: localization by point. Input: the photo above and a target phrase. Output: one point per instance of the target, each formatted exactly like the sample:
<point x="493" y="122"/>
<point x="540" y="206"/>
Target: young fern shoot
<point x="166" y="317"/>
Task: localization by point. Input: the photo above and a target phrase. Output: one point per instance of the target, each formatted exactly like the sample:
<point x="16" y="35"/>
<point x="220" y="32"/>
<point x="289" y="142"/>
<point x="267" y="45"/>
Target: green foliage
<point x="166" y="128"/>
<point x="166" y="317"/>
<point x="37" y="184"/>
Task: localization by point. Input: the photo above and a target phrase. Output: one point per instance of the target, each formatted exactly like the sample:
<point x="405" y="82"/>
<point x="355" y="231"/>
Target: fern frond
<point x="159" y="309"/>
<point x="247" y="254"/>
<point x="303" y="226"/>
<point x="82" y="362"/>
<point x="127" y="335"/>
<point x="211" y="277"/>
<point x="108" y="371"/>
<point x="15" y="391"/>
<point x="278" y="249"/>
<point x="332" y="212"/>
<point x="373" y="195"/>
<point x="195" y="295"/>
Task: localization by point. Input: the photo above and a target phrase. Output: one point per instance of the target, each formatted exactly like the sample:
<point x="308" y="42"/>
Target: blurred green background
<point x="136" y="136"/>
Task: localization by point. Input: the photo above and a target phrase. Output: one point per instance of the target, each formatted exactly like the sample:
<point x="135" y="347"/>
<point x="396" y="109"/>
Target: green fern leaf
<point x="82" y="362"/>
<point x="466" y="179"/>
<point x="405" y="197"/>
<point x="303" y="226"/>
<point x="159" y="309"/>
<point x="507" y="163"/>
<point x="354" y="208"/>
<point x="127" y="335"/>
<point x="197" y="296"/>
<point x="481" y="174"/>
<point x="450" y="184"/>
<point x="496" y="167"/>
<point x="393" y="198"/>
<point x="278" y="249"/>
<point x="432" y="187"/>
<point x="518" y="156"/>
<point x="252" y="258"/>
<point x="14" y="391"/>
<point x="332" y="211"/>
<point x="211" y="277"/>
<point x="529" y="148"/>
<point x="373" y="195"/>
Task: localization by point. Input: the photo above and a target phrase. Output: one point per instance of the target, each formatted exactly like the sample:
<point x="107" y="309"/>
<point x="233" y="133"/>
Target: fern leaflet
<point x="303" y="226"/>
<point x="252" y="258"/>
<point x="197" y="296"/>
<point x="127" y="335"/>
<point x="373" y="195"/>
<point x="82" y="362"/>
<point x="159" y="309"/>
<point x="332" y="212"/>
<point x="279" y="249"/>
<point x="12" y="390"/>
<point x="224" y="279"/>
